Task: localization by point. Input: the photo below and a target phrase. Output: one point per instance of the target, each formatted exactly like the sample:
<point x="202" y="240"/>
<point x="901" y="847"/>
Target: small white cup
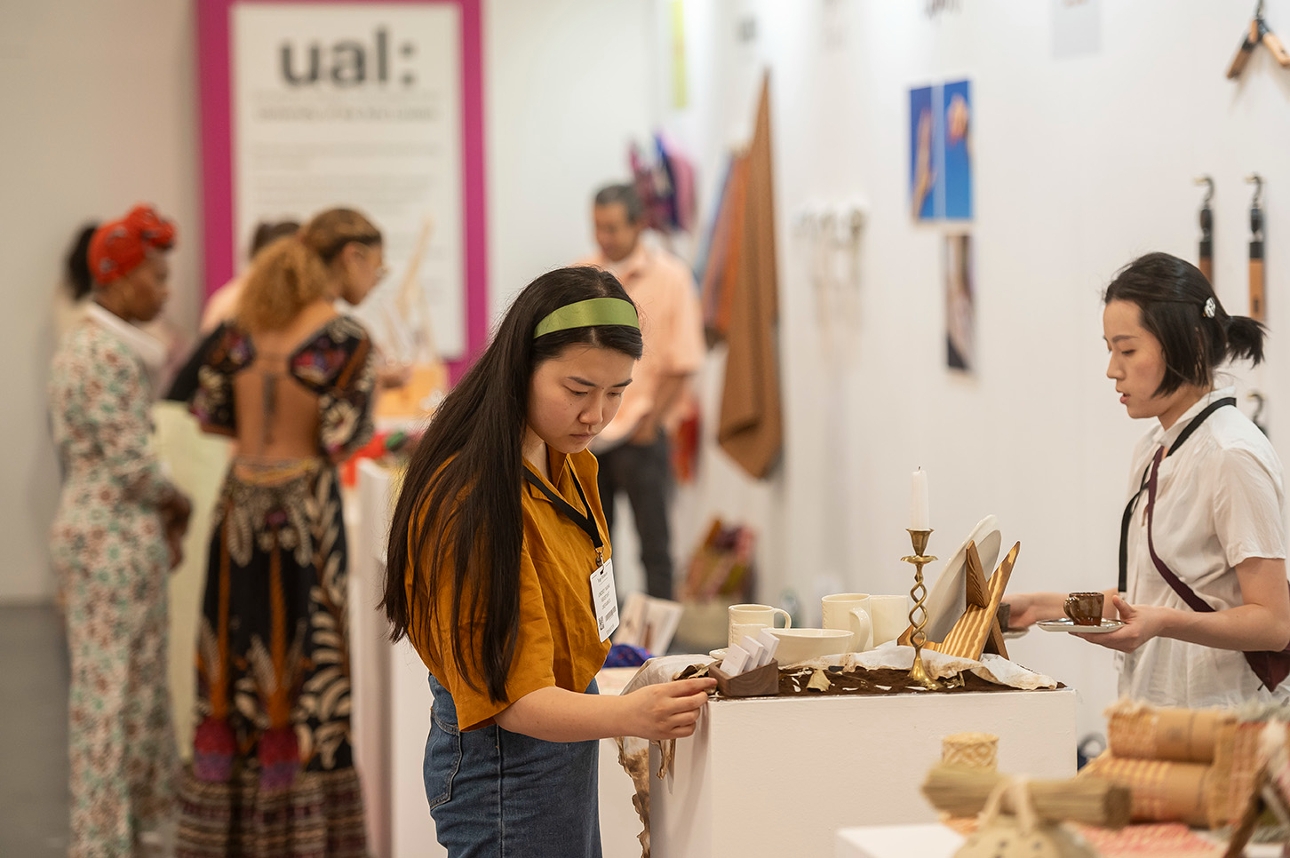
<point x="762" y="616"/>
<point x="850" y="612"/>
<point x="890" y="615"/>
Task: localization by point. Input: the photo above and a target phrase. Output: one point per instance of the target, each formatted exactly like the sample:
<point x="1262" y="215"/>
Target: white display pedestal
<point x="937" y="841"/>
<point x="780" y="776"/>
<point x="898" y="841"/>
<point x="391" y="706"/>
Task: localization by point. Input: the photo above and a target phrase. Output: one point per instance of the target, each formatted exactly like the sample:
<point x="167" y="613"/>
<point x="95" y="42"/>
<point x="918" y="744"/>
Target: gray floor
<point x="33" y="733"/>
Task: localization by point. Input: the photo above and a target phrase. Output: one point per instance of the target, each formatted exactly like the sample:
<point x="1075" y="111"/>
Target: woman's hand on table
<point x="1141" y="624"/>
<point x="669" y="710"/>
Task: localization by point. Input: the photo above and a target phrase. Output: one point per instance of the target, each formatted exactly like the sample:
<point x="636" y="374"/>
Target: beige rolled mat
<point x="1163" y="791"/>
<point x="1146" y="733"/>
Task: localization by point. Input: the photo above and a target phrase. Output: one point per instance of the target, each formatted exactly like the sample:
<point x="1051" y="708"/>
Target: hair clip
<point x="1211" y="308"/>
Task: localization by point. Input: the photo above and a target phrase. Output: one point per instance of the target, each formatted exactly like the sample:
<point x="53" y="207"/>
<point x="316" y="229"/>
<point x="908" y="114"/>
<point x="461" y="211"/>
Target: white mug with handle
<point x="890" y="615"/>
<point x="748" y="615"/>
<point x="850" y="612"/>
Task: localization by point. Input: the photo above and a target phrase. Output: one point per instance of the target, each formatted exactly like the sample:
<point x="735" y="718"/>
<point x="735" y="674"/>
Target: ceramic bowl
<point x="802" y="644"/>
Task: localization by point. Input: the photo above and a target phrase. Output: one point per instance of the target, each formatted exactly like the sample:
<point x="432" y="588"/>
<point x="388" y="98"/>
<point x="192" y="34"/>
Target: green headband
<point x="589" y="314"/>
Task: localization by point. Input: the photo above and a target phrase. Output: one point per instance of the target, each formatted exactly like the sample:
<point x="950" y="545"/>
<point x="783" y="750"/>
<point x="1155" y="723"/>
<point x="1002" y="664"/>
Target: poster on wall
<point x="957" y="98"/>
<point x="960" y="305"/>
<point x="924" y="153"/>
<point x="365" y="105"/>
<point x="940" y="152"/>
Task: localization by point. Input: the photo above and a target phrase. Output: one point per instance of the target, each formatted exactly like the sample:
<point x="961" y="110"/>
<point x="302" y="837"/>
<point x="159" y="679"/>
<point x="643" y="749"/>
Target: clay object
<point x="1084" y="609"/>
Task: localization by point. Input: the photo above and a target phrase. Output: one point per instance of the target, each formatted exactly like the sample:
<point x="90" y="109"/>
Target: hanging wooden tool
<point x="1258" y="306"/>
<point x="1257" y="33"/>
<point x="1205" y="260"/>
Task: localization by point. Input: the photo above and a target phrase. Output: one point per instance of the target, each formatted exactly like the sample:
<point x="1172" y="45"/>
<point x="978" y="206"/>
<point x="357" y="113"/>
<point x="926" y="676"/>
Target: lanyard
<point x="583" y="520"/>
<point x="1133" y="501"/>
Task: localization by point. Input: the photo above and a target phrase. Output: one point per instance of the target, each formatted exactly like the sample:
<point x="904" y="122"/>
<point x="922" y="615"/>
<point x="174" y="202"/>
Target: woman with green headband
<point x="499" y="574"/>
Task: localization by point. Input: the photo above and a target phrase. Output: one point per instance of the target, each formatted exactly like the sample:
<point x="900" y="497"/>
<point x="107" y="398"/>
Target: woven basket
<point x="971" y="750"/>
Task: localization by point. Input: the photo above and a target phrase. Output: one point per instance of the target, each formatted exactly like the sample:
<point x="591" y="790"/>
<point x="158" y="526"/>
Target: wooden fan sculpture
<point x="1257" y="33"/>
<point x="978" y="630"/>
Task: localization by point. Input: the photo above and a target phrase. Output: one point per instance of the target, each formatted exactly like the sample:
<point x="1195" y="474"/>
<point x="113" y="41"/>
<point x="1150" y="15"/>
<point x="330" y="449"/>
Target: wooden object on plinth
<point x="414" y="401"/>
<point x="978" y="630"/>
<point x="962" y="792"/>
<point x="759" y="682"/>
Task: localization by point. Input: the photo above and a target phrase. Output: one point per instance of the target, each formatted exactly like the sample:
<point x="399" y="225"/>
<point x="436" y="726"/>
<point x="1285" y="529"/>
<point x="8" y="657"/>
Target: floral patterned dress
<point x="272" y="771"/>
<point x="109" y="552"/>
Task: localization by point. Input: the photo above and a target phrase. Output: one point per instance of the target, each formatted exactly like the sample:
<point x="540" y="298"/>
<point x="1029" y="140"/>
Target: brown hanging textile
<point x="750" y="426"/>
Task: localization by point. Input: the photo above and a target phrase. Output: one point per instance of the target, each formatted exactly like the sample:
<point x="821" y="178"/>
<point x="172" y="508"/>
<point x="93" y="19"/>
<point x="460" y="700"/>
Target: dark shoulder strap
<point x="1133" y="501"/>
<point x="1187" y="594"/>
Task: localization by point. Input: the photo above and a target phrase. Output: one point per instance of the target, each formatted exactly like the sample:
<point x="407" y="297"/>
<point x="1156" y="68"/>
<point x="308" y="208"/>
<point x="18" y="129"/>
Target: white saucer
<point x="947" y="598"/>
<point x="718" y="654"/>
<point x="1013" y="634"/>
<point x="1064" y="624"/>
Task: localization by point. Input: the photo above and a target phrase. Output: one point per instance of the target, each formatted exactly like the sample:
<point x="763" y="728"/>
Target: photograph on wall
<point x="924" y="154"/>
<point x="960" y="304"/>
<point x="957" y="184"/>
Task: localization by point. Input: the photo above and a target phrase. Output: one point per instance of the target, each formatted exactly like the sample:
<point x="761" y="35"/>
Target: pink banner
<point x="215" y="50"/>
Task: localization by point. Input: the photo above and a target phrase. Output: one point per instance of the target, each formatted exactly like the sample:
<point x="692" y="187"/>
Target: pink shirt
<point x="667" y="301"/>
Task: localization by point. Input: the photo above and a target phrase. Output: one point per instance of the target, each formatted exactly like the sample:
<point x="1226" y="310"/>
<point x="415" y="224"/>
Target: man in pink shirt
<point x="634" y="449"/>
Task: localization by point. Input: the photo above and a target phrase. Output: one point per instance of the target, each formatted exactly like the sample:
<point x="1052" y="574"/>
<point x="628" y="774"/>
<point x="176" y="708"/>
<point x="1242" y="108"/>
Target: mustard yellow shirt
<point x="558" y="644"/>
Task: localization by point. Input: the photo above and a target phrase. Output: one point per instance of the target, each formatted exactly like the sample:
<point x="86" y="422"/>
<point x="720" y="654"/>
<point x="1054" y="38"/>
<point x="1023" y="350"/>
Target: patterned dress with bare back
<point x="272" y="772"/>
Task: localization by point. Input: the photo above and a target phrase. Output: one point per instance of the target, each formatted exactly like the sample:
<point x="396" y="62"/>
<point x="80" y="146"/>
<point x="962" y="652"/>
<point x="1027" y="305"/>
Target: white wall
<point x="1080" y="165"/>
<point x="99" y="113"/>
<point x="567" y="84"/>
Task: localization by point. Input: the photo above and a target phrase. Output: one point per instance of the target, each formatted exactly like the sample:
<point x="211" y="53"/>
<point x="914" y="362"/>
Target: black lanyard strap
<point x="583" y="520"/>
<point x="1133" y="501"/>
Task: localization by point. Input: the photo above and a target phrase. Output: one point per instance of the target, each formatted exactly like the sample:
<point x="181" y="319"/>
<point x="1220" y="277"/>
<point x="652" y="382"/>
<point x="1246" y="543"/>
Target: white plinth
<point x="937" y="841"/>
<point x="780" y="776"/>
<point x="897" y="841"/>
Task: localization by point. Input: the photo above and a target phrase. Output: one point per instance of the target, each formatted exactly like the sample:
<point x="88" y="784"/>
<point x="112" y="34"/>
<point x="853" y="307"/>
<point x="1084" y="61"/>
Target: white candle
<point x="919" y="518"/>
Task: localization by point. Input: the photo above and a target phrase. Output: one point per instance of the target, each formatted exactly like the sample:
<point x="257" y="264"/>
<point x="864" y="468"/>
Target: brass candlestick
<point x="918" y="614"/>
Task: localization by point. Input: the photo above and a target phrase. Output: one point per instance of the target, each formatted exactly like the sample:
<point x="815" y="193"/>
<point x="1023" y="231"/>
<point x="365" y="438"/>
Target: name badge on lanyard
<point x="604" y="596"/>
<point x="604" y="599"/>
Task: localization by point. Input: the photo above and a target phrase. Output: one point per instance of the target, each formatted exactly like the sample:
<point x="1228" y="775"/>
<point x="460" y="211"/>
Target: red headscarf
<point x="120" y="246"/>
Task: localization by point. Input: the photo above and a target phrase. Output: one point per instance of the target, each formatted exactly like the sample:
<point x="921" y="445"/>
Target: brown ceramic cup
<point x="1084" y="609"/>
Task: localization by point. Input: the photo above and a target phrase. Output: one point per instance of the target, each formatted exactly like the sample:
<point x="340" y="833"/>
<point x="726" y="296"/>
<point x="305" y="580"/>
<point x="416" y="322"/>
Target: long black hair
<point x="77" y="264"/>
<point x="1196" y="336"/>
<point x="461" y="495"/>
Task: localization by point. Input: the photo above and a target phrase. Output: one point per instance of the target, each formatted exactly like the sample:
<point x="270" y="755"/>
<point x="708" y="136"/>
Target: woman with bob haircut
<point x="497" y="565"/>
<point x="1203" y="593"/>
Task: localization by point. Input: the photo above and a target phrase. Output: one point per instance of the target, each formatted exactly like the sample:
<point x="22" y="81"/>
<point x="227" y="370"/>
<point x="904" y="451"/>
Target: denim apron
<point x="497" y="794"/>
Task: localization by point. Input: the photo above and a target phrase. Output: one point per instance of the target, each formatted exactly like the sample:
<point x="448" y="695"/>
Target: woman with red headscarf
<point x="115" y="536"/>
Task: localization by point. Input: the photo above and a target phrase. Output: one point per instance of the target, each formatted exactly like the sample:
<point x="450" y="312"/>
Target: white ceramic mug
<point x="890" y="615"/>
<point x="850" y="612"/>
<point x="739" y="630"/>
<point x="758" y="615"/>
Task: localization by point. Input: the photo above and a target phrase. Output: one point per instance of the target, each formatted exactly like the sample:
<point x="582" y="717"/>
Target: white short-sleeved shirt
<point x="1219" y="501"/>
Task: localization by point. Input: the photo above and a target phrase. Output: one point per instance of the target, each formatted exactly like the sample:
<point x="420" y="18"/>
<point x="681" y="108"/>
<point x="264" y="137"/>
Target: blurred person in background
<point x="635" y="448"/>
<point x="290" y="380"/>
<point x="116" y="533"/>
<point x="222" y="304"/>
